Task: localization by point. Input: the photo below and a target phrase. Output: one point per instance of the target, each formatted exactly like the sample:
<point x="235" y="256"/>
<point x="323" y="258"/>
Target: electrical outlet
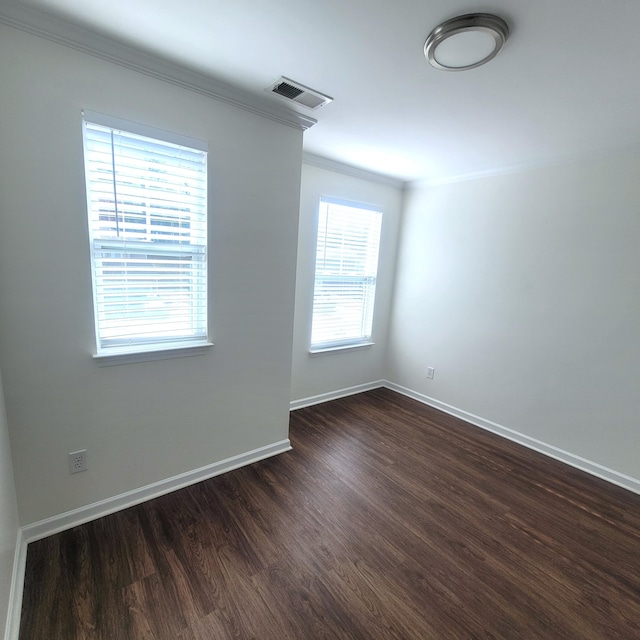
<point x="430" y="372"/>
<point x="78" y="461"/>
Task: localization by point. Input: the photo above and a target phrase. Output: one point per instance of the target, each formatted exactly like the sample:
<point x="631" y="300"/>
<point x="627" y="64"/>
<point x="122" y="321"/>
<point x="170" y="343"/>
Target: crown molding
<point x="479" y="175"/>
<point x="350" y="170"/>
<point x="593" y="155"/>
<point x="91" y="42"/>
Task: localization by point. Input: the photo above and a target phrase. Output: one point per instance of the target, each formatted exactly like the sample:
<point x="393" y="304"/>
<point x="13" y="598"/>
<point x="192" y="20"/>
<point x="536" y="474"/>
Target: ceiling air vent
<point x="297" y="92"/>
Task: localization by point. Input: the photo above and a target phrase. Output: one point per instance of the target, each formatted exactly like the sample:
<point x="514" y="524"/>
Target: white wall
<point x="523" y="291"/>
<point x="8" y="516"/>
<point x="319" y="374"/>
<point x="144" y="422"/>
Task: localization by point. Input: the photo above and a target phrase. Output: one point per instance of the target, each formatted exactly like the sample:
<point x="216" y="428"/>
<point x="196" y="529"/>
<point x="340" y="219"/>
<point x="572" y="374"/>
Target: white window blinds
<point x="147" y="205"/>
<point x="346" y="270"/>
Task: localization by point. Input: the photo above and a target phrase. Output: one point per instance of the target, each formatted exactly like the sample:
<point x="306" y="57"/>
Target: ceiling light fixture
<point x="466" y="42"/>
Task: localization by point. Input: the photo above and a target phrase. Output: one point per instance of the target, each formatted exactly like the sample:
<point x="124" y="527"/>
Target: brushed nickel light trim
<point x="484" y="23"/>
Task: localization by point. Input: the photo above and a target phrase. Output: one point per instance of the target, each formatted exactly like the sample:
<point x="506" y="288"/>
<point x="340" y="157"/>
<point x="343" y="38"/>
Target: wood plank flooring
<point x="389" y="519"/>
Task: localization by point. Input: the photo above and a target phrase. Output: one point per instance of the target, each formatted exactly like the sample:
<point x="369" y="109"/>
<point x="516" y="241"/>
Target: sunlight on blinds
<point x="346" y="270"/>
<point x="147" y="202"/>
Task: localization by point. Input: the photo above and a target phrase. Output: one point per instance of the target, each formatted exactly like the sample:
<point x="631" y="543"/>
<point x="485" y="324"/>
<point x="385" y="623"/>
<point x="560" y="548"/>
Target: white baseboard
<point x="12" y="628"/>
<point x="595" y="469"/>
<point x="335" y="395"/>
<point x="55" y="524"/>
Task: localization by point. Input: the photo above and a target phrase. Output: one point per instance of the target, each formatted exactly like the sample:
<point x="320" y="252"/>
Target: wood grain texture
<point x="388" y="519"/>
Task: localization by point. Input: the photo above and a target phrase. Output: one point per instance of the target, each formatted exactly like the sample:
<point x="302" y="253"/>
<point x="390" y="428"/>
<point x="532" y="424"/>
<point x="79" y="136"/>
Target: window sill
<point x="165" y="352"/>
<point x="323" y="351"/>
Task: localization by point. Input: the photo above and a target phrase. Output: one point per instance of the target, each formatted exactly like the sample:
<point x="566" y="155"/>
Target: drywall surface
<point x="319" y="374"/>
<point x="142" y="422"/>
<point x="522" y="291"/>
<point x="8" y="516"/>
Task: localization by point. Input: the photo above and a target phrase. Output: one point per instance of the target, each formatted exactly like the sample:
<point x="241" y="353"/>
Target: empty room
<point x="319" y="320"/>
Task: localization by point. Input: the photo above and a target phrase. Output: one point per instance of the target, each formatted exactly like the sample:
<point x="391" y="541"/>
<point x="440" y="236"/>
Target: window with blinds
<point x="147" y="205"/>
<point x="346" y="271"/>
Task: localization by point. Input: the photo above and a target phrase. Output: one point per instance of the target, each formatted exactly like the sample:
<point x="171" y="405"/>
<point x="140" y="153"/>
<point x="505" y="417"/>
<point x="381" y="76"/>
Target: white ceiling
<point x="567" y="81"/>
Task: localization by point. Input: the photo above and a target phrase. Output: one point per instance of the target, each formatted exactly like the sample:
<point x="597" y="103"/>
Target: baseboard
<point x="335" y="395"/>
<point x="55" y="524"/>
<point x="12" y="628"/>
<point x="593" y="468"/>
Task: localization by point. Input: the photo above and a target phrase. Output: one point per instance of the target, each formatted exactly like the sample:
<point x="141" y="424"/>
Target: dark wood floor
<point x="388" y="520"/>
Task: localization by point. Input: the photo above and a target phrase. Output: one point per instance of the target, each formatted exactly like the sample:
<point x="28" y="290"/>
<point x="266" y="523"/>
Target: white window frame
<point x="152" y="262"/>
<point x="356" y="272"/>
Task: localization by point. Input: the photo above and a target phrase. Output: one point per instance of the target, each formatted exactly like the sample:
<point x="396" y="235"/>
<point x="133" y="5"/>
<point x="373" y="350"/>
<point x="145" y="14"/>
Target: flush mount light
<point x="466" y="42"/>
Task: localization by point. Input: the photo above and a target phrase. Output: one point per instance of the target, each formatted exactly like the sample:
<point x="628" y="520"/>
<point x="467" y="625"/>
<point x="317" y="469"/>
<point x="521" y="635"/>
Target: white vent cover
<point x="292" y="90"/>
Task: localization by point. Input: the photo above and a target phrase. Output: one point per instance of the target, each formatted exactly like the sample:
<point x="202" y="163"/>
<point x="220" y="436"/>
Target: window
<point x="147" y="205"/>
<point x="346" y="269"/>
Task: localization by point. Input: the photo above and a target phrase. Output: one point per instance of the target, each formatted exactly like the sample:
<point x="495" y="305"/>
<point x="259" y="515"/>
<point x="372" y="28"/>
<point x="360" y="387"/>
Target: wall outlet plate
<point x="430" y="372"/>
<point x="78" y="461"/>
